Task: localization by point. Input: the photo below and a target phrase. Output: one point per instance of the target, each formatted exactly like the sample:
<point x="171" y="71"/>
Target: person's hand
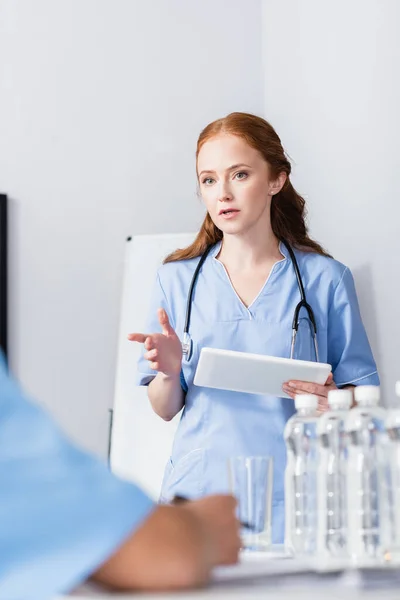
<point x="217" y="515"/>
<point x="292" y="388"/>
<point x="164" y="350"/>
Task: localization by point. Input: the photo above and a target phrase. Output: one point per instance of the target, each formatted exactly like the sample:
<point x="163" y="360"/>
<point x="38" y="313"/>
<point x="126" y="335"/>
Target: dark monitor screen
<point x="3" y="272"/>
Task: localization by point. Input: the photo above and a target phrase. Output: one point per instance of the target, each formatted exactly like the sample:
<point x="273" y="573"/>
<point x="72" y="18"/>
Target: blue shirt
<point x="217" y="424"/>
<point x="62" y="513"/>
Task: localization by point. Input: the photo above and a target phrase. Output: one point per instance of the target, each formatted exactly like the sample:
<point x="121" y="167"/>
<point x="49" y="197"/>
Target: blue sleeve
<point x="62" y="512"/>
<point x="158" y="300"/>
<point x="349" y="351"/>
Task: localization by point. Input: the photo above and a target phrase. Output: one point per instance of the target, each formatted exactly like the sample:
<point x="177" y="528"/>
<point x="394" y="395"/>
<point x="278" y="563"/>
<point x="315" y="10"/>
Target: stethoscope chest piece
<point x="187" y="347"/>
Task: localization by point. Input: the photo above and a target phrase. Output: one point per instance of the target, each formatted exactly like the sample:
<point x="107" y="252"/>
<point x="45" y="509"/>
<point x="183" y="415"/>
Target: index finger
<point x="308" y="387"/>
<point x="137" y="337"/>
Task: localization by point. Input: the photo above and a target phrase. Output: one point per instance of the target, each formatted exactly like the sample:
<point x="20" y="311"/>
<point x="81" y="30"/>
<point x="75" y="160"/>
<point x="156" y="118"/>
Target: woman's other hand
<point x="292" y="388"/>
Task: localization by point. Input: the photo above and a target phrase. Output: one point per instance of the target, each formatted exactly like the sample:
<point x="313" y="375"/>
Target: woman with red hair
<point x="244" y="298"/>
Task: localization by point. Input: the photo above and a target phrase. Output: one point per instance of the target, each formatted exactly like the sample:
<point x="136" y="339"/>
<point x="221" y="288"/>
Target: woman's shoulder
<point x="321" y="266"/>
<point x="177" y="270"/>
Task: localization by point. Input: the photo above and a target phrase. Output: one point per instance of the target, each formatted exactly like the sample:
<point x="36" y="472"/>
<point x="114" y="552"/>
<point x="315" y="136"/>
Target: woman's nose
<point x="224" y="193"/>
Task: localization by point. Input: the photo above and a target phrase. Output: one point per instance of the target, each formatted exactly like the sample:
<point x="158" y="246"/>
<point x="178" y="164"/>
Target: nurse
<point x="244" y="299"/>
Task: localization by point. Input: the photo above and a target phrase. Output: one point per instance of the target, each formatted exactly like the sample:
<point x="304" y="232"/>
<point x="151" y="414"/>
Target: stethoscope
<point x="187" y="344"/>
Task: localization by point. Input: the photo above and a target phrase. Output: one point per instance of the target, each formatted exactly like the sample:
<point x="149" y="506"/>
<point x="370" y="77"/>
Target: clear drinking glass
<point x="251" y="481"/>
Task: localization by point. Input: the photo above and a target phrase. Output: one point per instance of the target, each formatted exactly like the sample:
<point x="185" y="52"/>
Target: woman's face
<point x="235" y="183"/>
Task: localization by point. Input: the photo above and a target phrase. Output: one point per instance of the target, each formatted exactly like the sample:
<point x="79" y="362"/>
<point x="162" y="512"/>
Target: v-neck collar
<point x="224" y="273"/>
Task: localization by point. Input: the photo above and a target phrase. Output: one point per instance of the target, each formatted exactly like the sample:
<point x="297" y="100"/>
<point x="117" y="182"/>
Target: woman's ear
<point x="276" y="185"/>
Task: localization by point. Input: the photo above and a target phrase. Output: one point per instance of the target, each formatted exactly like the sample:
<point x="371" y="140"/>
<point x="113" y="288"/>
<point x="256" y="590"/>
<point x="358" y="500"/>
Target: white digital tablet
<point x="254" y="373"/>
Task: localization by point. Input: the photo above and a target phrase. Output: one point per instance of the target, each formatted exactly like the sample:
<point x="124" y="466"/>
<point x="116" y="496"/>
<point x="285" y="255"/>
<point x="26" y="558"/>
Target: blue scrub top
<point x="217" y="424"/>
<point x="62" y="513"/>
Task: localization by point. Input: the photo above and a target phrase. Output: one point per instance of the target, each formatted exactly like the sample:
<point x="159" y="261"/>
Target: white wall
<point x="332" y="91"/>
<point x="101" y="103"/>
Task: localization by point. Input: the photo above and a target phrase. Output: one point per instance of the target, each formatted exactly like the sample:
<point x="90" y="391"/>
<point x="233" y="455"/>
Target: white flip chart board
<point x="141" y="441"/>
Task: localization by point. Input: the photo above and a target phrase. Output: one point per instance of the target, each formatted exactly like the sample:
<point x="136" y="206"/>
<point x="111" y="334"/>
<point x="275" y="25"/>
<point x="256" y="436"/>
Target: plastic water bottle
<point x="301" y="477"/>
<point x="365" y="426"/>
<point x="332" y="463"/>
<point x="392" y="425"/>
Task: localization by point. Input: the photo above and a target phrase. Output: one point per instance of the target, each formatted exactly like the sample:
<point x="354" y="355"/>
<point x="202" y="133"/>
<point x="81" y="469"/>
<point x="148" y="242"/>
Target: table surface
<point x="260" y="576"/>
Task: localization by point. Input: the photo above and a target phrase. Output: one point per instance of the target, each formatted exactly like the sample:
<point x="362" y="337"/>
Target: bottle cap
<point x="305" y="401"/>
<point x="367" y="394"/>
<point x="393" y="418"/>
<point x="340" y="398"/>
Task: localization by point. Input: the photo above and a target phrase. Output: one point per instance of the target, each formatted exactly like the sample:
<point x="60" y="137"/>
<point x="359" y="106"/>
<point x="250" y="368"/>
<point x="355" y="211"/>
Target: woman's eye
<point x="208" y="180"/>
<point x="241" y="175"/>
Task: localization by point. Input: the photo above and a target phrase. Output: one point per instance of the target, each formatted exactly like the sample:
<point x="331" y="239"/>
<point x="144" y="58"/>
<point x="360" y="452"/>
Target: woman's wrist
<point x="171" y="377"/>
